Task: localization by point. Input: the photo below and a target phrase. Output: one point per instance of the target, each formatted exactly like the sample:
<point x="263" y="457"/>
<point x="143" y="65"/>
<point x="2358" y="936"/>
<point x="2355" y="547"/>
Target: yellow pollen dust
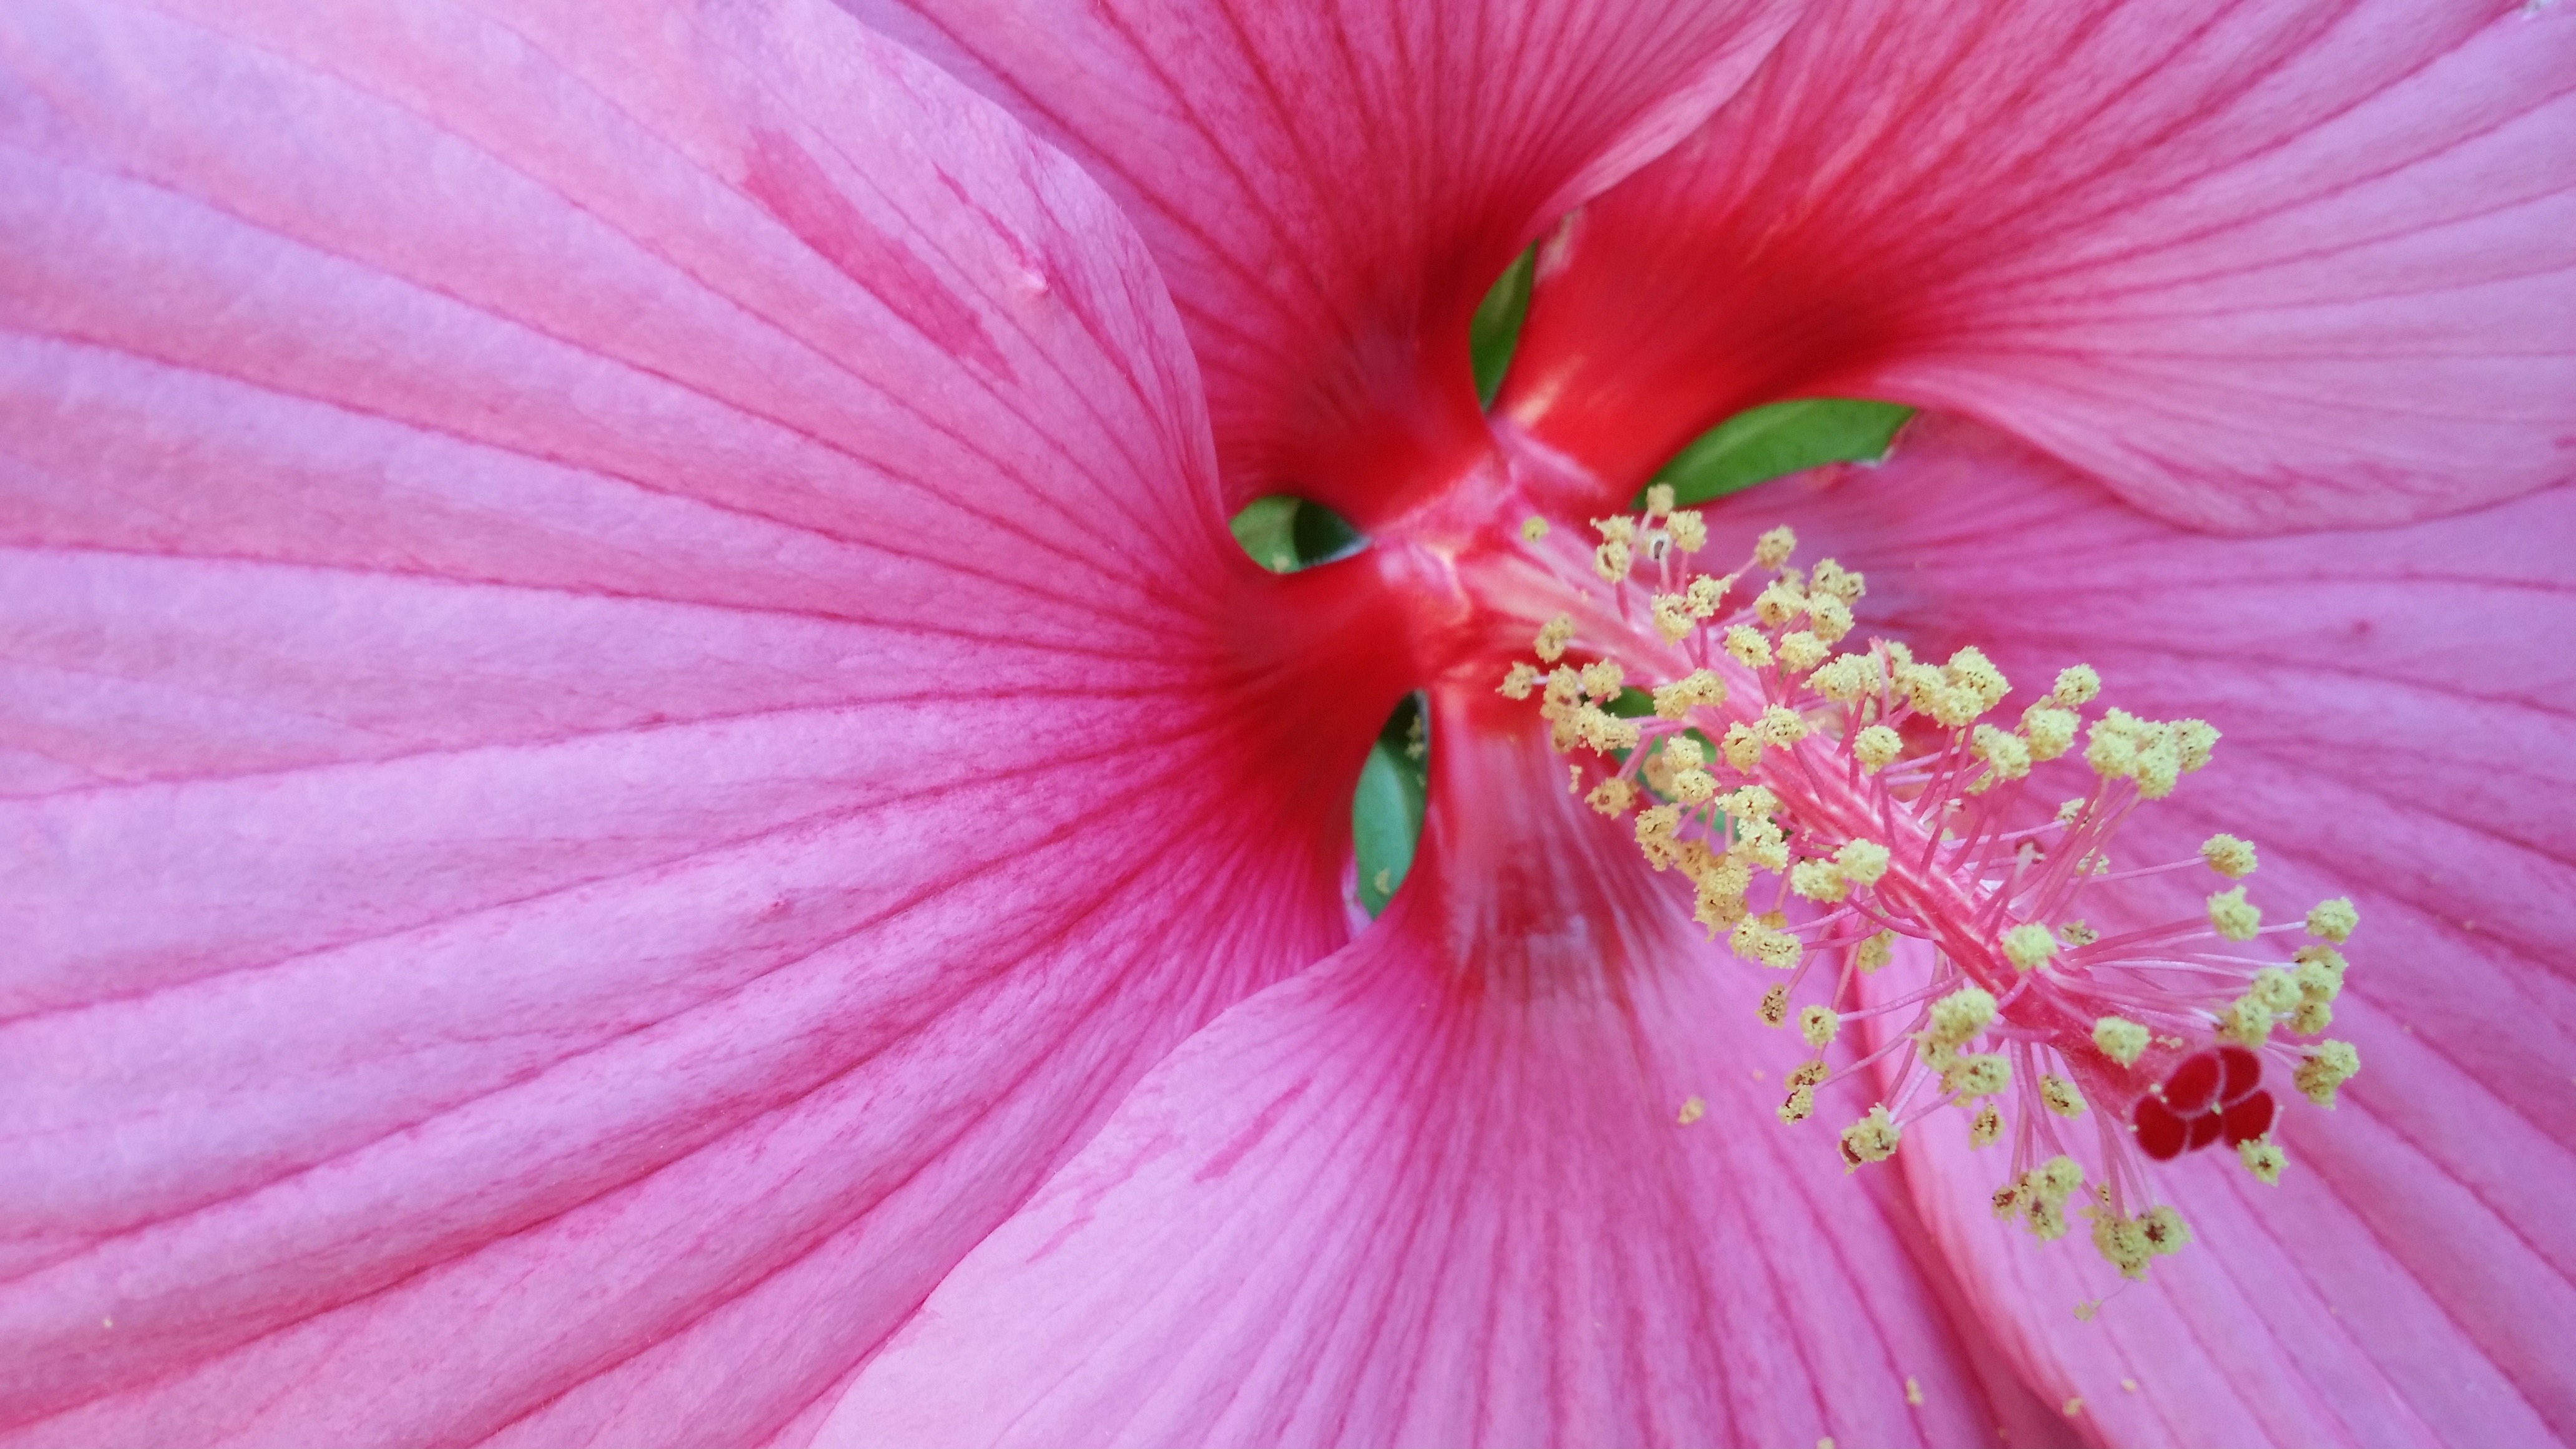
<point x="1773" y="548"/>
<point x="1774" y="1009"/>
<point x="2262" y="1159"/>
<point x="2333" y="920"/>
<point x="2028" y="946"/>
<point x="2060" y="1096"/>
<point x="1913" y="808"/>
<point x="1533" y="528"/>
<point x="1553" y="637"/>
<point x="2326" y="1067"/>
<point x="2229" y="856"/>
<point x="1871" y="1139"/>
<point x="1692" y="1110"/>
<point x="1986" y="1126"/>
<point x="1876" y="747"/>
<point x="2234" y="917"/>
<point x="2122" y="1040"/>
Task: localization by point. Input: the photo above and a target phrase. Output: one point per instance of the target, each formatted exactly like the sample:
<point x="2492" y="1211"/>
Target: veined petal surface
<point x="2397" y="709"/>
<point x="2251" y="262"/>
<point x="610" y="735"/>
<point x="1330" y="189"/>
<point x="1445" y="1189"/>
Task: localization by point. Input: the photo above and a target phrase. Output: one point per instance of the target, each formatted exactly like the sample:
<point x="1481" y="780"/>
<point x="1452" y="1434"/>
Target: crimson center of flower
<point x="1853" y="818"/>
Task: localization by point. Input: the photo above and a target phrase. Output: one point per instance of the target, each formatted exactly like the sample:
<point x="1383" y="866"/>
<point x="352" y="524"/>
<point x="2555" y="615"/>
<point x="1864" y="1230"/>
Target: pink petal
<point x="1331" y="192"/>
<point x="1436" y="1191"/>
<point x="2250" y="264"/>
<point x="610" y="739"/>
<point x="2398" y="710"/>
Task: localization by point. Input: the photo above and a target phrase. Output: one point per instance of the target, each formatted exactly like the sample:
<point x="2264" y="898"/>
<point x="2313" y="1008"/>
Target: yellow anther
<point x="1717" y="907"/>
<point x="2060" y="1096"/>
<point x="1961" y="1015"/>
<point x="2124" y="1242"/>
<point x="2196" y="739"/>
<point x="1605" y="732"/>
<point x="1655" y="830"/>
<point x="1971" y="670"/>
<point x="1704" y="595"/>
<point x="1741" y="746"/>
<point x="1818" y="880"/>
<point x="2277" y="989"/>
<point x="1533" y="528"/>
<point x="1877" y="747"/>
<point x="2246" y="1021"/>
<point x="2233" y="916"/>
<point x="1603" y="680"/>
<point x="1617" y="528"/>
<point x="1688" y="531"/>
<point x="1828" y="617"/>
<point x="1693" y="787"/>
<point x="1763" y="843"/>
<point x="1778" y="603"/>
<point x="2111" y="746"/>
<point x="1519" y="680"/>
<point x="1781" y="727"/>
<point x="2029" y="946"/>
<point x="2076" y="933"/>
<point x="2229" y="856"/>
<point x="1800" y="1106"/>
<point x="1659" y="500"/>
<point x="1819" y="1025"/>
<point x="1773" y="548"/>
<point x="1780" y="951"/>
<point x="2333" y="920"/>
<point x="1846" y="681"/>
<point x="1672" y="618"/>
<point x="1553" y="637"/>
<point x="2122" y="1040"/>
<point x="2310" y="1018"/>
<point x="1986" y="1126"/>
<point x="2262" y="1159"/>
<point x="1801" y="651"/>
<point x="1683" y="753"/>
<point x="1862" y="862"/>
<point x="1921" y="684"/>
<point x="1612" y="797"/>
<point x="1876" y="952"/>
<point x="2320" y="973"/>
<point x="1612" y="560"/>
<point x="1873" y="1138"/>
<point x="2070" y="811"/>
<point x="2327" y="1067"/>
<point x="1700" y="686"/>
<point x="2166" y="1231"/>
<point x="1751" y="802"/>
<point x="1844" y="584"/>
<point x="2076" y="684"/>
<point x="2007" y="756"/>
<point x="2159" y="765"/>
<point x="1985" y="1074"/>
<point x="1774" y="1009"/>
<point x="2050" y="730"/>
<point x="1749" y="647"/>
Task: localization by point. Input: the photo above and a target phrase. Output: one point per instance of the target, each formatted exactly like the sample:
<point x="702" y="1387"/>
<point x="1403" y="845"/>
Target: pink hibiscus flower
<point x="646" y="802"/>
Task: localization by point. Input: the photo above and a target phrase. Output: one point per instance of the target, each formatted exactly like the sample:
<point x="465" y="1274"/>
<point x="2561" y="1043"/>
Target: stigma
<point x="1914" y="864"/>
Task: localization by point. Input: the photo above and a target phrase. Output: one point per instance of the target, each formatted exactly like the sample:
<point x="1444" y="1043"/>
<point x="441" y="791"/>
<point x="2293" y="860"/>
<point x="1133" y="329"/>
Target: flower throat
<point x="1854" y="820"/>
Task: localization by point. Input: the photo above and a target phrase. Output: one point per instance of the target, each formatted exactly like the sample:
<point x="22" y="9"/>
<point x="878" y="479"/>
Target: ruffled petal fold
<point x="1454" y="1186"/>
<point x="2302" y="263"/>
<point x="2397" y="712"/>
<point x="614" y="732"/>
<point x="1330" y="191"/>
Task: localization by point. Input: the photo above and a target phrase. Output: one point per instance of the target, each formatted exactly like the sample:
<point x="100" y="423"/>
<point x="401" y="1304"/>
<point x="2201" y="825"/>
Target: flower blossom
<point x="646" y="802"/>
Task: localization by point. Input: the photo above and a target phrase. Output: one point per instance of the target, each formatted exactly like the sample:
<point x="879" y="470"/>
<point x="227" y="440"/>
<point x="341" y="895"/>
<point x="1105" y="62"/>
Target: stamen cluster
<point x="1838" y="812"/>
